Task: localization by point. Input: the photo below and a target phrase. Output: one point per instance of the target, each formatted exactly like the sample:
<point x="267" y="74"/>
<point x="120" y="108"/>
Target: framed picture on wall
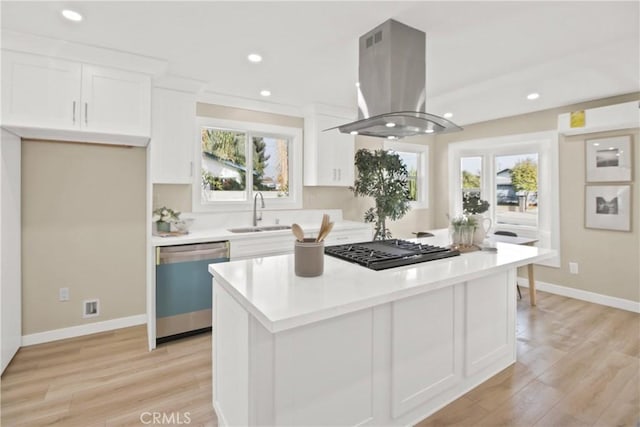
<point x="609" y="159"/>
<point x="608" y="207"/>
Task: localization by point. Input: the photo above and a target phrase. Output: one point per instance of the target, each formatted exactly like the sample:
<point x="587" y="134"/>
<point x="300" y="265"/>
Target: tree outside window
<point x="225" y="175"/>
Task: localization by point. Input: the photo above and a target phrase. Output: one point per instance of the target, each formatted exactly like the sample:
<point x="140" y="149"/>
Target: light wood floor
<point x="578" y="365"/>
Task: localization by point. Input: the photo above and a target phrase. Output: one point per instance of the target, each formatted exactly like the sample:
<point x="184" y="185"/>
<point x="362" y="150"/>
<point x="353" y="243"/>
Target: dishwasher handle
<point x="174" y="254"/>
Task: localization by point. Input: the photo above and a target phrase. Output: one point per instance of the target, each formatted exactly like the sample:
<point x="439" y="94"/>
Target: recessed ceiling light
<point x="447" y="115"/>
<point x="72" y="15"/>
<point x="265" y="92"/>
<point x="391" y="137"/>
<point x="596" y="144"/>
<point x="254" y="57"/>
<point x="428" y="131"/>
<point x="354" y="132"/>
<point x="390" y="125"/>
<point x="534" y="95"/>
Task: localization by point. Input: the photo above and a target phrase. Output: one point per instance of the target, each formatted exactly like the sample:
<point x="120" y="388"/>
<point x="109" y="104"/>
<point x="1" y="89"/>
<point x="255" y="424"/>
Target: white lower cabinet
<point x="10" y="244"/>
<point x="489" y="329"/>
<point x="426" y="334"/>
<point x="393" y="364"/>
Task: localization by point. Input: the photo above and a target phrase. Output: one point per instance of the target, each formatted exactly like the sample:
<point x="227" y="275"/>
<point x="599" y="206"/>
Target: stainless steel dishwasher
<point x="183" y="288"/>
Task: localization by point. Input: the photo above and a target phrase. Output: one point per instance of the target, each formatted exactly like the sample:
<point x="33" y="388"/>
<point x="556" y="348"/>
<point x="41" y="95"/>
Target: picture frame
<point x="609" y="159"/>
<point x="608" y="207"/>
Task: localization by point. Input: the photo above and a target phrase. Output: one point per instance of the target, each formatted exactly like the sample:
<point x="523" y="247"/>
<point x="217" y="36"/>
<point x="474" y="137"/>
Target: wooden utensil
<point x="326" y="232"/>
<point x="297" y="231"/>
<point x="323" y="226"/>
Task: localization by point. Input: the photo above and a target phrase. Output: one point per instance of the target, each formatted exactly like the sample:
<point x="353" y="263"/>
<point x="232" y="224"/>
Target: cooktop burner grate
<point x="383" y="254"/>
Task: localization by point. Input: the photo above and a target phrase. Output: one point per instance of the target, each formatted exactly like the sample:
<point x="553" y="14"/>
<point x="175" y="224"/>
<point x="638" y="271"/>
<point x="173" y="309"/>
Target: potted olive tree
<point x="381" y="174"/>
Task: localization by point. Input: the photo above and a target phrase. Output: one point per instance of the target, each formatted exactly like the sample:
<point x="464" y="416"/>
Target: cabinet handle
<point x="86" y="113"/>
<point x="74" y="112"/>
<point x="334" y="174"/>
<point x="339" y="174"/>
<point x="191" y="169"/>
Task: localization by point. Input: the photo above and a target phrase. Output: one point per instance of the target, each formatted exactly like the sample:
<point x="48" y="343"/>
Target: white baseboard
<point x="615" y="302"/>
<point x="80" y="330"/>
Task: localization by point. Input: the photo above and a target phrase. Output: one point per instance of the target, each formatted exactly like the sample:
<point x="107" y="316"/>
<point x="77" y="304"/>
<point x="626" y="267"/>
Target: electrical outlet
<point x="573" y="267"/>
<point x="63" y="294"/>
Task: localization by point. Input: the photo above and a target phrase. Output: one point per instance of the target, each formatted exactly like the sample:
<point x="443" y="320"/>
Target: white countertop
<point x="268" y="288"/>
<point x="223" y="234"/>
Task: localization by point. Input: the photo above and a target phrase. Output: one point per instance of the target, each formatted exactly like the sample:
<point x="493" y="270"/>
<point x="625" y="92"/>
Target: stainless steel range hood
<point x="391" y="88"/>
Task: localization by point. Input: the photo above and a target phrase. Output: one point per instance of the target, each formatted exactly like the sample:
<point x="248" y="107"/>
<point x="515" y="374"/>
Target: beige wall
<point x="229" y="113"/>
<point x="83" y="227"/>
<point x="608" y="260"/>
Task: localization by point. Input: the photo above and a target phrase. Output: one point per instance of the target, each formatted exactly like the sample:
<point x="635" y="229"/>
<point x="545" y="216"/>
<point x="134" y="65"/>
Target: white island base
<point x="391" y="363"/>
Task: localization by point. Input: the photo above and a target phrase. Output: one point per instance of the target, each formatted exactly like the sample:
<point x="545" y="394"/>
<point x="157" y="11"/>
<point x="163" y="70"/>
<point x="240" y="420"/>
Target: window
<point x="416" y="159"/>
<point x="516" y="182"/>
<point x="518" y="176"/>
<point x="471" y="176"/>
<point x="238" y="159"/>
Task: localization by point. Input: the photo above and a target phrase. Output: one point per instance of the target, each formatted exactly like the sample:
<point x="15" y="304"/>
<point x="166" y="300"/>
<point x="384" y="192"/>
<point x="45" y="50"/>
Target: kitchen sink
<point x="260" y="228"/>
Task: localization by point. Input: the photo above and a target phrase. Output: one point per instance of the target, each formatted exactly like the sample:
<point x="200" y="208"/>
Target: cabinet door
<point x="115" y="101"/>
<point x="172" y="136"/>
<point x="328" y="154"/>
<point x="40" y="91"/>
<point x="10" y="241"/>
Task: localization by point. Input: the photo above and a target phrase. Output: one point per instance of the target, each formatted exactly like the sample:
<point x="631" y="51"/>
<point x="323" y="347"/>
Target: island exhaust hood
<point x="392" y="86"/>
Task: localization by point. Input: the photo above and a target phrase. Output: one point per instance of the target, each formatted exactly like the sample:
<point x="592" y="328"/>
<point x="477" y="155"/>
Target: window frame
<point x="422" y="181"/>
<point x="251" y="129"/>
<point x="545" y="144"/>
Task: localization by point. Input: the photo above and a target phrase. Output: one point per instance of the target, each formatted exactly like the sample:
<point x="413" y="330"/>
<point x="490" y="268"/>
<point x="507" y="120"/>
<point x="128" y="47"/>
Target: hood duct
<point x="391" y="87"/>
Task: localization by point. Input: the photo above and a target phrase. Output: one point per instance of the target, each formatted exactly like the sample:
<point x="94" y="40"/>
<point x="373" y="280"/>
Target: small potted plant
<point x="164" y="217"/>
<point x="473" y="206"/>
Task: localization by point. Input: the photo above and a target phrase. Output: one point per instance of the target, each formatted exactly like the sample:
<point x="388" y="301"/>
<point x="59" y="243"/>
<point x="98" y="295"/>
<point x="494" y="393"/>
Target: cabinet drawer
<point x="262" y="246"/>
<point x="348" y="236"/>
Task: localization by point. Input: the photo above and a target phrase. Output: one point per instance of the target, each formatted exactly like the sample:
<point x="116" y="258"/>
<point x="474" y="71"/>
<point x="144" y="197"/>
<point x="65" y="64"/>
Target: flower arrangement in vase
<point x="461" y="230"/>
<point x="164" y="217"/>
<point x="473" y="206"/>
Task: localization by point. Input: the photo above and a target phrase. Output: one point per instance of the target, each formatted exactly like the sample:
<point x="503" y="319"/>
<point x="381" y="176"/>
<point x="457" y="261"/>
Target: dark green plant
<point x="382" y="175"/>
<point x="473" y="204"/>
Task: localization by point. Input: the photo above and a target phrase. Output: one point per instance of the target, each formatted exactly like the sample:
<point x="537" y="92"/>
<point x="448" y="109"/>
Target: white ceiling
<point x="483" y="58"/>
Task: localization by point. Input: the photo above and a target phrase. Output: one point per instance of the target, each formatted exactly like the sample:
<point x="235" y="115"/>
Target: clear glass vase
<point x="462" y="235"/>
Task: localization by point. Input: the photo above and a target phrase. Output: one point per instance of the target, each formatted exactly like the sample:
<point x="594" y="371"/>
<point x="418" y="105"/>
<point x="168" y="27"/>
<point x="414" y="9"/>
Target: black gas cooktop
<point x="383" y="254"/>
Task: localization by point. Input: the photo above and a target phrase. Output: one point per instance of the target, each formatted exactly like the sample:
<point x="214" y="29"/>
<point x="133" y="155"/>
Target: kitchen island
<point x="356" y="346"/>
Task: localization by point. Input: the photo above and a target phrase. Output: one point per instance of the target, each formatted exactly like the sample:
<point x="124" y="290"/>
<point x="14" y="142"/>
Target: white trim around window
<point x="292" y="201"/>
<point x="422" y="151"/>
<point x="546" y="145"/>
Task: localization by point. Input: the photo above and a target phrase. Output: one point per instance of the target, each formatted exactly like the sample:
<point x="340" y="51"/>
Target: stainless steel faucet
<point x="257" y="218"/>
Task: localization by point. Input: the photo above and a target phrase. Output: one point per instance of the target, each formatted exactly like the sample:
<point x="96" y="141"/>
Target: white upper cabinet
<point x="115" y="101"/>
<point x="328" y="155"/>
<point x="172" y="137"/>
<point x="50" y="98"/>
<point x="40" y="90"/>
